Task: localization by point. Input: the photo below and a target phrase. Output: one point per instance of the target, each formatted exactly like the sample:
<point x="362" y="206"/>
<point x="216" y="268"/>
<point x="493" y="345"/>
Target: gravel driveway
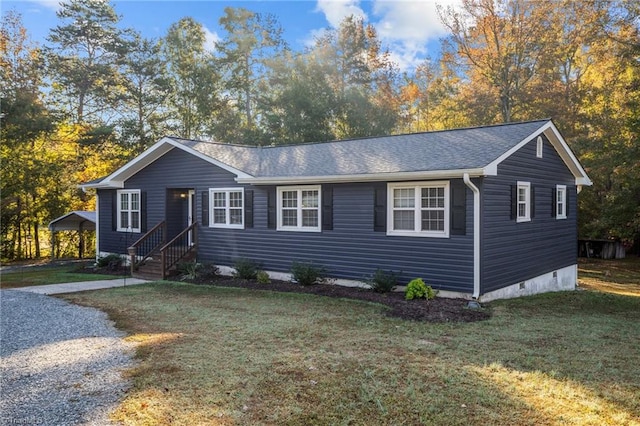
<point x="60" y="364"/>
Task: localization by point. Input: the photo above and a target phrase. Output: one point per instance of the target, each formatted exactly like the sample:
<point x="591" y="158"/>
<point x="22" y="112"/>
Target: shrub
<point x="188" y="270"/>
<point x="112" y="261"/>
<point x="383" y="281"/>
<point x="246" y="269"/>
<point x="307" y="273"/>
<point x="417" y="289"/>
<point x="263" y="277"/>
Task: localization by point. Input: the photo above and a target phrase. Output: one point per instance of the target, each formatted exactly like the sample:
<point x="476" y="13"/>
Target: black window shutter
<point x="380" y="208"/>
<point x="143" y="211"/>
<point x="532" y="202"/>
<point x="114" y="210"/>
<point x="205" y="208"/>
<point x="458" y="212"/>
<point x="514" y="202"/>
<point x="271" y="208"/>
<point x="327" y="207"/>
<point x="554" y="202"/>
<point x="566" y="202"/>
<point x="248" y="209"/>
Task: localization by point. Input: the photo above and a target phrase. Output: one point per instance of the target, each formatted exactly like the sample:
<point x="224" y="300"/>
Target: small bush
<point x="307" y="273"/>
<point x="417" y="289"/>
<point x="188" y="270"/>
<point x="263" y="277"/>
<point x="383" y="281"/>
<point x="111" y="261"/>
<point x="246" y="269"/>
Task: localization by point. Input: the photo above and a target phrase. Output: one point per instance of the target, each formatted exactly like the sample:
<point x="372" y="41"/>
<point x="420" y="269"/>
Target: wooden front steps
<point x="151" y="268"/>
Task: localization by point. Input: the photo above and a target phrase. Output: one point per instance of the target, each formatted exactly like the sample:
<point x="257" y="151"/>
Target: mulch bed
<point x="440" y="309"/>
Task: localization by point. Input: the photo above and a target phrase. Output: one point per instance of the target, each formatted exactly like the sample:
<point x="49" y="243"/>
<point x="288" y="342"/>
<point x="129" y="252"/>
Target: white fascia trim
<point x="370" y="177"/>
<point x="560" y="145"/>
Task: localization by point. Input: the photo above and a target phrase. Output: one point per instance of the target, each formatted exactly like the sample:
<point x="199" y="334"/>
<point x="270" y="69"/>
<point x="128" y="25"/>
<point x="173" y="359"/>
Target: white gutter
<point x="476" y="235"/>
<point x="368" y="177"/>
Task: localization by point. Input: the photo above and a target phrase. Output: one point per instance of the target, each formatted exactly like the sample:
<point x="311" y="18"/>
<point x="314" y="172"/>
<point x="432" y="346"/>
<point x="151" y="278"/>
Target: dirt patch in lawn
<point x="439" y="309"/>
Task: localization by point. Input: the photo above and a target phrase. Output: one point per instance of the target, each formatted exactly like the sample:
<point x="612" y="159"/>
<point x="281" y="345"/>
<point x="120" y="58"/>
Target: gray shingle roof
<point x="458" y="149"/>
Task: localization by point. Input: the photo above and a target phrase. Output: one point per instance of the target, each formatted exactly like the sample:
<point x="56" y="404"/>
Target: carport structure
<point x="78" y="221"/>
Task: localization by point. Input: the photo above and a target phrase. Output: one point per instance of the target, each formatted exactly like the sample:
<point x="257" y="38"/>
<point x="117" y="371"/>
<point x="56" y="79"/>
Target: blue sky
<point x="409" y="28"/>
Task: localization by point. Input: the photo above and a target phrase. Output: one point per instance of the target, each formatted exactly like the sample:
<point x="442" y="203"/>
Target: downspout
<point x="476" y="235"/>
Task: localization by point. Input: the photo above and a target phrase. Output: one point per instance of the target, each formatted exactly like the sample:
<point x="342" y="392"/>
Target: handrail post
<point x="132" y="258"/>
<point x="163" y="263"/>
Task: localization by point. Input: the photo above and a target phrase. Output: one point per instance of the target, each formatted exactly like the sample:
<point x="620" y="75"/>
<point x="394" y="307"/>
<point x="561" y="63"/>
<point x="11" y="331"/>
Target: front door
<point x="179" y="211"/>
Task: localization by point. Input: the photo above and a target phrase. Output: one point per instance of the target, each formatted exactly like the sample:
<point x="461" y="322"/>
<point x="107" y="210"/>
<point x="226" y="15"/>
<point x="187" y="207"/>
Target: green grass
<point x="212" y="355"/>
<point x="42" y="275"/>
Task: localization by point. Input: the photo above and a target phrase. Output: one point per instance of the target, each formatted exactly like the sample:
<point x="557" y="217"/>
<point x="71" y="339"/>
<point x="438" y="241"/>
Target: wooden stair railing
<point x="180" y="246"/>
<point x="147" y="245"/>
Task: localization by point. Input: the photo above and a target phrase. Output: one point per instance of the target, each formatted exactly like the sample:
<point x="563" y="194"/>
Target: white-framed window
<point x="418" y="209"/>
<point x="299" y="208"/>
<point x="226" y="208"/>
<point x="561" y="201"/>
<point x="539" y="146"/>
<point x="523" y="202"/>
<point x="128" y="210"/>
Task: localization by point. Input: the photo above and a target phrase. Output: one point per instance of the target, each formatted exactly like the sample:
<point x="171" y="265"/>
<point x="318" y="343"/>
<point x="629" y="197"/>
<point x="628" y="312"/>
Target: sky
<point x="410" y="29"/>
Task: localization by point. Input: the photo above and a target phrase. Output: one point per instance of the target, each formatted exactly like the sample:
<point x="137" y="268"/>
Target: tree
<point x="363" y="79"/>
<point x="499" y="45"/>
<point x="83" y="60"/>
<point x="303" y="102"/>
<point x="608" y="139"/>
<point x="146" y="90"/>
<point x="24" y="118"/>
<point x="193" y="78"/>
<point x="253" y="42"/>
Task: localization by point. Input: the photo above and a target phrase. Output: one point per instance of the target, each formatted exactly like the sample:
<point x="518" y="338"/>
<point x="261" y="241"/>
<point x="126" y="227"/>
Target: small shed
<point x="79" y="221"/>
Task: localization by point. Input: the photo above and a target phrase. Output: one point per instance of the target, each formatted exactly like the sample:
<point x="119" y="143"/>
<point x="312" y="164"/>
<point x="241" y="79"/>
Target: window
<point x="227" y="208"/>
<point x="129" y="210"/>
<point x="523" y="202"/>
<point x="418" y="209"/>
<point x="561" y="202"/>
<point x="299" y="208"/>
<point x="539" y="146"/>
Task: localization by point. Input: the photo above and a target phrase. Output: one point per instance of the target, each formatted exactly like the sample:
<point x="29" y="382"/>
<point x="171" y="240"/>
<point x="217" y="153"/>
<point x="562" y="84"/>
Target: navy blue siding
<point x="513" y="252"/>
<point x="352" y="249"/>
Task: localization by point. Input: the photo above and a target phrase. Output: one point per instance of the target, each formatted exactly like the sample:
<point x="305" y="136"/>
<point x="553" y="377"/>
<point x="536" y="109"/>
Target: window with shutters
<point x="299" y="208"/>
<point x="128" y="210"/>
<point x="226" y="208"/>
<point x="418" y="209"/>
<point x="561" y="201"/>
<point x="523" y="203"/>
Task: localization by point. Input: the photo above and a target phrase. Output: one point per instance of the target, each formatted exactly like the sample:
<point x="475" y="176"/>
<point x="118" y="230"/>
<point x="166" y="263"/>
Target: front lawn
<point x="25" y="276"/>
<point x="214" y="355"/>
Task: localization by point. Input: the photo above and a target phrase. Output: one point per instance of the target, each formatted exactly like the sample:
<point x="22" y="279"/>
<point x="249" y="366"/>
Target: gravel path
<point x="60" y="364"/>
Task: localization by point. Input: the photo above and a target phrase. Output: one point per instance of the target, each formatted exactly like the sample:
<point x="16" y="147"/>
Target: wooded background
<point x="95" y="95"/>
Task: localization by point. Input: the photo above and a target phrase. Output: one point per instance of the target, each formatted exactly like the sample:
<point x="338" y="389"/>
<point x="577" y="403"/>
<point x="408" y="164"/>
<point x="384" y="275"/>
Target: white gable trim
<point x="560" y="145"/>
<point x="160" y="148"/>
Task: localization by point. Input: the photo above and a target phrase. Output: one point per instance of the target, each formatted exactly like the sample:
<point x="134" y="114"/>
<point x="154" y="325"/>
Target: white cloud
<point x="336" y="10"/>
<point x="410" y="21"/>
<point x="211" y="38"/>
<point x="49" y="4"/>
<point x="407" y="27"/>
